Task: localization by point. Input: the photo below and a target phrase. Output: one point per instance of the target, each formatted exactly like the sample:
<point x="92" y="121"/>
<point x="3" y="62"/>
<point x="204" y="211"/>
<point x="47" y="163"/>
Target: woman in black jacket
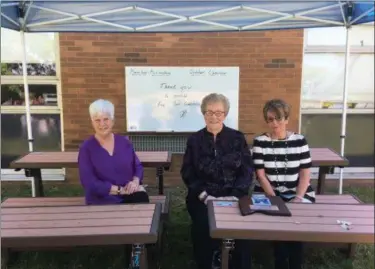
<point x="217" y="165"/>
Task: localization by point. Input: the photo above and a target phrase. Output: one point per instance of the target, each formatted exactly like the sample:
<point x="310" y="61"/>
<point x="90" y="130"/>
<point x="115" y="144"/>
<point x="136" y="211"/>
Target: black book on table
<point x="272" y="206"/>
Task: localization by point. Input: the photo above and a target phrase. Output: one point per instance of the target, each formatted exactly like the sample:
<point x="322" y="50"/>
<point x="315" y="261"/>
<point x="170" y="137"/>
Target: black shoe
<point x="216" y="260"/>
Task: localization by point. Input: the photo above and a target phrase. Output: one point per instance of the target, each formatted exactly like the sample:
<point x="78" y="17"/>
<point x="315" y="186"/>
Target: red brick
<point x="90" y="70"/>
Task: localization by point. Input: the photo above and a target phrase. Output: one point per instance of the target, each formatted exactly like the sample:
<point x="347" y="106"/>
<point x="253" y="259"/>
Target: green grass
<point x="177" y="248"/>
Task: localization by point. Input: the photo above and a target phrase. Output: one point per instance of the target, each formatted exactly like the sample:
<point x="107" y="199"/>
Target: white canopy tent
<point x="183" y="16"/>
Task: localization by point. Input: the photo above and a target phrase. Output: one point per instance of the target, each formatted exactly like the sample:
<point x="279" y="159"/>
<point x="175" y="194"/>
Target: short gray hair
<point x="277" y="106"/>
<point x="102" y="106"/>
<point x="215" y="98"/>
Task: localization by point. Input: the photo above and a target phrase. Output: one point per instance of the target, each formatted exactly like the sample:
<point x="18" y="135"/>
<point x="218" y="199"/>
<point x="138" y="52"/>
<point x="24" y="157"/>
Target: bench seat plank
<point x="345" y="211"/>
<point x="75" y="231"/>
<point x="68" y="201"/>
<point x="294" y="219"/>
<point x="275" y="228"/>
<point x="71" y="223"/>
<point x="75" y="209"/>
<point x="90" y="215"/>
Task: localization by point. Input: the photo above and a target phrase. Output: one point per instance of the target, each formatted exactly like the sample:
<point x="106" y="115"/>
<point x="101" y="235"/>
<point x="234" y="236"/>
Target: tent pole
<point x="344" y="101"/>
<point x="27" y="103"/>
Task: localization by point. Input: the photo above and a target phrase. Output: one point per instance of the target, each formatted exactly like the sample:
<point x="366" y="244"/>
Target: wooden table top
<point x="60" y="159"/>
<point x="79" y="225"/>
<point x="327" y="157"/>
<point x="308" y="223"/>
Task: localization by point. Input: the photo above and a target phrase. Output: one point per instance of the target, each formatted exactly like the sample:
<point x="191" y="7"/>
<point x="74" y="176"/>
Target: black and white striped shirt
<point x="282" y="161"/>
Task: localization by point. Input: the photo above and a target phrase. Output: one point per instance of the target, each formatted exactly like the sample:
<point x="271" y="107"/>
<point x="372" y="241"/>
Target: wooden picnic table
<point x="326" y="159"/>
<point x="33" y="162"/>
<point x="68" y="226"/>
<point x="308" y="223"/>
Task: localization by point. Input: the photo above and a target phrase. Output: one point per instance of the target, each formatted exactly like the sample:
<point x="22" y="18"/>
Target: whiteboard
<point x="168" y="99"/>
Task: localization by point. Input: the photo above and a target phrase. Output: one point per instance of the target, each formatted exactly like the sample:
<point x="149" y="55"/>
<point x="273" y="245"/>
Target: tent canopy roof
<point x="180" y="16"/>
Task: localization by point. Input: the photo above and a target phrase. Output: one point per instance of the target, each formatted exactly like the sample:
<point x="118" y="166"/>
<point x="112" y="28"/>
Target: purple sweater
<point x="98" y="170"/>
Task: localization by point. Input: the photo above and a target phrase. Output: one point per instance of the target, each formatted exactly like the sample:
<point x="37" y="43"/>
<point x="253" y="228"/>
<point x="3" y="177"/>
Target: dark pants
<point x="288" y="255"/>
<point x="204" y="245"/>
<point x="135" y="198"/>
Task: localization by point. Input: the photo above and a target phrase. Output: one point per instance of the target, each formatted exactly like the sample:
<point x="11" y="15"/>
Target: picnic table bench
<point x="33" y="162"/>
<point x="308" y="223"/>
<point x="67" y="226"/>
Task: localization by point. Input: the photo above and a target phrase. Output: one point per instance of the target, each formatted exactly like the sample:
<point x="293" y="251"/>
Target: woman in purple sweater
<point x="110" y="171"/>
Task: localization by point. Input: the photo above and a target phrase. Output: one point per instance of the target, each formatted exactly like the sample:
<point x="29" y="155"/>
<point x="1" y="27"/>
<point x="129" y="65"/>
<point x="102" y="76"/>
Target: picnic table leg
<point x="36" y="173"/>
<point x="323" y="171"/>
<point x="39" y="191"/>
<point x="321" y="179"/>
<point x="160" y="176"/>
<point x="227" y="246"/>
<point x="350" y="252"/>
<point x="127" y="255"/>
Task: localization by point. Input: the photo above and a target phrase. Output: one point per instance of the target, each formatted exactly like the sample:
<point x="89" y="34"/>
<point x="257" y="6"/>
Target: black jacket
<point x="221" y="168"/>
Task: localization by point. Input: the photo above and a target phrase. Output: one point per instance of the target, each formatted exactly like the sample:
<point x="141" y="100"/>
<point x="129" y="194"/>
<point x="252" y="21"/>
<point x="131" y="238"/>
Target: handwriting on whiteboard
<point x="178" y="96"/>
<point x="166" y="73"/>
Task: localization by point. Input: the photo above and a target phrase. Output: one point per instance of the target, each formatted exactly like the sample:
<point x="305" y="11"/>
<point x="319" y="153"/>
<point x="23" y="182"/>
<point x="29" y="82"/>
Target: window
<point x="45" y="99"/>
<point x="323" y="86"/>
<point x="46" y="133"/>
<point x="40" y="95"/>
<point x="323" y="80"/>
<point x="41" y="69"/>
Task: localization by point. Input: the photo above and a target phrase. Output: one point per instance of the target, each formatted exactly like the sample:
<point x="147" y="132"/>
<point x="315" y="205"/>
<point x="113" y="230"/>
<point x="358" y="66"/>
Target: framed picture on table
<point x="260" y="203"/>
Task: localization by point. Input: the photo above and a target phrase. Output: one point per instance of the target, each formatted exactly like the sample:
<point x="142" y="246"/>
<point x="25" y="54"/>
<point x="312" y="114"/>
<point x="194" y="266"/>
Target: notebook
<point x="260" y="203"/>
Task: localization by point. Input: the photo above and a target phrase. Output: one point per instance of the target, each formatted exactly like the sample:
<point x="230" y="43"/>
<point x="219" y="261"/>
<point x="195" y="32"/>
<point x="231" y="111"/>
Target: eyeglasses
<point x="278" y="119"/>
<point x="216" y="113"/>
<point x="99" y="121"/>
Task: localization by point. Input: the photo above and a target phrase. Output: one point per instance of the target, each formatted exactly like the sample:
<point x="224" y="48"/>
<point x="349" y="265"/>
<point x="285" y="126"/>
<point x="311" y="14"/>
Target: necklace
<point x="285" y="161"/>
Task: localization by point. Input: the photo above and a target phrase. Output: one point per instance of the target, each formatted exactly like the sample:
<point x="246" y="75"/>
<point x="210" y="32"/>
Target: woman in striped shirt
<point x="282" y="162"/>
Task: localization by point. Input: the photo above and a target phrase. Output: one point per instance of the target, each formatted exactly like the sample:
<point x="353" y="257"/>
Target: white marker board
<point x="168" y="99"/>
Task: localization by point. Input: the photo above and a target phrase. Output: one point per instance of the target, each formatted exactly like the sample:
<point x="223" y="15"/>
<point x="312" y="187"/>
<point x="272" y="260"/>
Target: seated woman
<point x="282" y="163"/>
<point x="216" y="165"/>
<point x="109" y="170"/>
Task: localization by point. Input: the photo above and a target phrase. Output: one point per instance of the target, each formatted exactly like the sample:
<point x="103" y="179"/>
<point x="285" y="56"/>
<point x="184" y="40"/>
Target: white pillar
<point x="344" y="101"/>
<point x="27" y="102"/>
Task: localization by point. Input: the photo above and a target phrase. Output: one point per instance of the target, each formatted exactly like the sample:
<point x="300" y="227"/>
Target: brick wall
<point x="92" y="66"/>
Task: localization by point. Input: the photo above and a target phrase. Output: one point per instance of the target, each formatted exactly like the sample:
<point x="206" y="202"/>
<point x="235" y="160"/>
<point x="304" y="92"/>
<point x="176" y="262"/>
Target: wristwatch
<point x="118" y="190"/>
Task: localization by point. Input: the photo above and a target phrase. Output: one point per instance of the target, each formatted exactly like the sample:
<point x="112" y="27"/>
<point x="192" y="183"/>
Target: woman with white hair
<point x="216" y="165"/>
<point x="110" y="171"/>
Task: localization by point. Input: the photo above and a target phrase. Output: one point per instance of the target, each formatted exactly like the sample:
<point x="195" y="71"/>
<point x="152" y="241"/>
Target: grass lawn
<point x="177" y="249"/>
